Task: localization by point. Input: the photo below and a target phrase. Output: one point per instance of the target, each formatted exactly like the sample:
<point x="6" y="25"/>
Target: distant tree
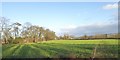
<point x="49" y="35"/>
<point x="84" y="37"/>
<point x="16" y="28"/>
<point x="26" y="31"/>
<point x="105" y="36"/>
<point x="66" y="37"/>
<point x="10" y="40"/>
<point x="46" y="35"/>
<point x="4" y="28"/>
<point x="60" y="37"/>
<point x="41" y="33"/>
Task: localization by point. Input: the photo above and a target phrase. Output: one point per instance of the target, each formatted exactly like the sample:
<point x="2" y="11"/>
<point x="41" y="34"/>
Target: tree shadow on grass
<point x="25" y="52"/>
<point x="39" y="53"/>
<point x="47" y="52"/>
<point x="7" y="46"/>
<point x="8" y="53"/>
<point x="107" y="51"/>
<point x="56" y="50"/>
<point x="28" y="51"/>
<point x="64" y="51"/>
<point x="52" y="51"/>
<point x="80" y="50"/>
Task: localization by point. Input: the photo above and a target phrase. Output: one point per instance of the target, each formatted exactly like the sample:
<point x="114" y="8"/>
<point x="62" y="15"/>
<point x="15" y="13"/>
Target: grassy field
<point x="0" y="50"/>
<point x="63" y="49"/>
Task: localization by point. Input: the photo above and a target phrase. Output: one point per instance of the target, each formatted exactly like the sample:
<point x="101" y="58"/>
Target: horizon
<point x="75" y="18"/>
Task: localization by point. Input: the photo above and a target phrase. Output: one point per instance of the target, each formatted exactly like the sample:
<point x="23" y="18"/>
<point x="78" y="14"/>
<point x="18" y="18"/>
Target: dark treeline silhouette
<point x="92" y="37"/>
<point x="102" y="36"/>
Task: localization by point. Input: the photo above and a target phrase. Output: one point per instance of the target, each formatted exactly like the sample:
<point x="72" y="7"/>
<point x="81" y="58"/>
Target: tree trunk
<point x="5" y="41"/>
<point x="34" y="39"/>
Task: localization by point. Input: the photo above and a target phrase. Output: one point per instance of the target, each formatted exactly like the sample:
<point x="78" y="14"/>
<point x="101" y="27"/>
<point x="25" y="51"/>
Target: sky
<point x="75" y="18"/>
<point x="59" y="0"/>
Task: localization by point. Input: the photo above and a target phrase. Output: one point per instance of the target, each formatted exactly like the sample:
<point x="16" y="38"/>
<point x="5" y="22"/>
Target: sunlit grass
<point x="106" y="41"/>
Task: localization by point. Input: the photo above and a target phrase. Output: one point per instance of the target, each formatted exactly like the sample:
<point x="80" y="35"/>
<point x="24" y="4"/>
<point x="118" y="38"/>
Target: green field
<point x="62" y="49"/>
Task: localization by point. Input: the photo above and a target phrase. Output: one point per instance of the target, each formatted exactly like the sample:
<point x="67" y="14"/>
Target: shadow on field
<point x="63" y="51"/>
<point x="46" y="50"/>
<point x="9" y="51"/>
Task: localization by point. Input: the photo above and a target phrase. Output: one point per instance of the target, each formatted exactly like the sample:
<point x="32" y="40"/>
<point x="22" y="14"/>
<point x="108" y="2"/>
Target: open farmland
<point x="63" y="49"/>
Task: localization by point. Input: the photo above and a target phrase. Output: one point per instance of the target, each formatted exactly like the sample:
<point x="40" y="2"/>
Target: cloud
<point x="92" y="29"/>
<point x="71" y="26"/>
<point x="110" y="6"/>
<point x="67" y="28"/>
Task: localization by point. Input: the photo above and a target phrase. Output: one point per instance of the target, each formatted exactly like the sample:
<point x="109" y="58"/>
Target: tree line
<point x="102" y="36"/>
<point x="89" y="37"/>
<point x="23" y="33"/>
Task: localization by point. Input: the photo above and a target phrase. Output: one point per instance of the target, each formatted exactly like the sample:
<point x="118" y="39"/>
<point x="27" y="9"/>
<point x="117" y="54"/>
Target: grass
<point x="0" y="51"/>
<point x="62" y="49"/>
<point x="102" y="41"/>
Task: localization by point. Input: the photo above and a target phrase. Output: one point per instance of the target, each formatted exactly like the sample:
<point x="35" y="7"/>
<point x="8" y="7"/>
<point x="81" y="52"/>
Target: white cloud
<point x="69" y="26"/>
<point x="110" y="6"/>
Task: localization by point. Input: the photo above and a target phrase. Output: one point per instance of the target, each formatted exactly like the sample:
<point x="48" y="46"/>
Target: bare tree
<point x="16" y="29"/>
<point x="4" y="28"/>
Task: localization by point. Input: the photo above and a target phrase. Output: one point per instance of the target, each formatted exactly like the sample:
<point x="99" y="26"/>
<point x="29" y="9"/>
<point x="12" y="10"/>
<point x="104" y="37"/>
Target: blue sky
<point x="60" y="0"/>
<point x="60" y="16"/>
